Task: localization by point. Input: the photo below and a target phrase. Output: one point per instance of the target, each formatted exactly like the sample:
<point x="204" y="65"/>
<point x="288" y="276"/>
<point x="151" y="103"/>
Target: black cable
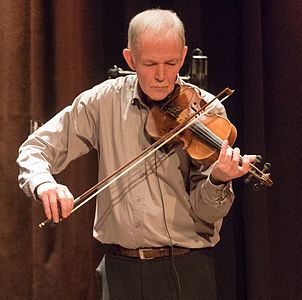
<point x="179" y="289"/>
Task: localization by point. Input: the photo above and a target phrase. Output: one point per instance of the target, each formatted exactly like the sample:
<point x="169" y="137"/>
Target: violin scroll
<point x="263" y="176"/>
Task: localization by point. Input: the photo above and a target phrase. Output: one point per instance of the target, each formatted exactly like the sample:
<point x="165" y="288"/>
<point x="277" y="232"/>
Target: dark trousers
<point x="188" y="277"/>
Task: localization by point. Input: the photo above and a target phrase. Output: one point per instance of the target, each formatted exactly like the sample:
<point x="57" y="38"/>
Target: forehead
<point x="154" y="47"/>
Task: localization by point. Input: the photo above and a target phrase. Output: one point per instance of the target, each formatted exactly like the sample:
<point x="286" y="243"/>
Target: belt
<point x="148" y="253"/>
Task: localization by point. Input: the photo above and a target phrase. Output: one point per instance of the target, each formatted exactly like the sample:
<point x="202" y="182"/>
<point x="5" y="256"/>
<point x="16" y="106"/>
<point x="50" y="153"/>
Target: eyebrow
<point x="173" y="60"/>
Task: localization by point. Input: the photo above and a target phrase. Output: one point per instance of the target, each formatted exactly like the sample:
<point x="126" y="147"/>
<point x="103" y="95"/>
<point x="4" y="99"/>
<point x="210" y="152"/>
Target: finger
<point x="63" y="201"/>
<point x="235" y="157"/>
<point x="252" y="158"/>
<point x="228" y="155"/>
<point x="245" y="164"/>
<point x="223" y="149"/>
<point x="53" y="202"/>
<point x="46" y="206"/>
<point x="70" y="199"/>
<point x="66" y="202"/>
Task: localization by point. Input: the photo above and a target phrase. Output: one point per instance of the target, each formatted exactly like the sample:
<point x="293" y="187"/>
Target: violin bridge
<point x="183" y="116"/>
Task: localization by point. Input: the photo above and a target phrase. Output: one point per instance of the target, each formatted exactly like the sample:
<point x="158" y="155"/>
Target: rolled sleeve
<point x="211" y="202"/>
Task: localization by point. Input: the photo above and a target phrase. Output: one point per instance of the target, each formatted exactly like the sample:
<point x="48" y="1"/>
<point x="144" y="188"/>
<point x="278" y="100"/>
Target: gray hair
<point x="157" y="22"/>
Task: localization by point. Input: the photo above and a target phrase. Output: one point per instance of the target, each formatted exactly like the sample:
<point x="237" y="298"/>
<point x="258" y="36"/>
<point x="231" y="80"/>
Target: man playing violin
<point x="161" y="219"/>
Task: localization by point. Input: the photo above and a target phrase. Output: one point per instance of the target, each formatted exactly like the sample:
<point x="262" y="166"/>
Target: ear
<point x="129" y="58"/>
<point x="184" y="53"/>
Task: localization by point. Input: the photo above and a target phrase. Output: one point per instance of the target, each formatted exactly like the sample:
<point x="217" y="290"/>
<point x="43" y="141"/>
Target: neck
<point x="150" y="102"/>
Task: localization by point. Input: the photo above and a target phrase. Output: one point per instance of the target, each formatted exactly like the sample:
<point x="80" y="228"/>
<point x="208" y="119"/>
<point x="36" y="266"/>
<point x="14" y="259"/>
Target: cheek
<point x="172" y="73"/>
<point x="144" y="78"/>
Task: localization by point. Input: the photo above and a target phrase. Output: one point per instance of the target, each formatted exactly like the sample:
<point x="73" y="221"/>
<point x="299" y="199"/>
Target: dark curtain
<point x="50" y="51"/>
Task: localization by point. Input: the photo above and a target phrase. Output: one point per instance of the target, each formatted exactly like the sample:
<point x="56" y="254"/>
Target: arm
<point x="70" y="134"/>
<point x="211" y="194"/>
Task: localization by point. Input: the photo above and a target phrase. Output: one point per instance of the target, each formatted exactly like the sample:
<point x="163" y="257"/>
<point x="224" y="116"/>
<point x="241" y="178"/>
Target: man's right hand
<point x="57" y="200"/>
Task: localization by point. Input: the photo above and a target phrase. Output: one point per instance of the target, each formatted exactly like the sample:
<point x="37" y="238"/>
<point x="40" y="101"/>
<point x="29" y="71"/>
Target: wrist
<point x="36" y="193"/>
<point x="216" y="181"/>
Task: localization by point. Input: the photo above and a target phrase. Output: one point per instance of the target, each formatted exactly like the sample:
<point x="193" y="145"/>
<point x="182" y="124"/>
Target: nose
<point x="160" y="72"/>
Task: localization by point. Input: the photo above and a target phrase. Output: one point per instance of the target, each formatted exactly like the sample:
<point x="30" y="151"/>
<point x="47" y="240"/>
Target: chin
<point x="159" y="95"/>
<point x="154" y="98"/>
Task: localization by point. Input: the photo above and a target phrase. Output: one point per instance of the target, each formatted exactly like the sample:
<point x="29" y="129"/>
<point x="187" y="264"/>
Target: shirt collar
<point x="137" y="93"/>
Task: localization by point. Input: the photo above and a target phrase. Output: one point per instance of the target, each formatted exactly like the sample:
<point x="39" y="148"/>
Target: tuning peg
<point x="250" y="176"/>
<point x="266" y="167"/>
<point x="263" y="176"/>
<point x="256" y="187"/>
<point x="258" y="159"/>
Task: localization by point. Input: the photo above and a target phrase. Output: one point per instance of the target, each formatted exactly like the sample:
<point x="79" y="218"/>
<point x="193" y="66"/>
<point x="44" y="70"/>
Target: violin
<point x="203" y="138"/>
<point x="184" y="118"/>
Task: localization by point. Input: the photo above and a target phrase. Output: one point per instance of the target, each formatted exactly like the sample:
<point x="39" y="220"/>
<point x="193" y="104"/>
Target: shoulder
<point x="116" y="85"/>
<point x="108" y="90"/>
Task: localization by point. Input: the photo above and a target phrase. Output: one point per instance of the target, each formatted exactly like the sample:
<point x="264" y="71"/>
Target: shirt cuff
<point x="219" y="192"/>
<point x="37" y="180"/>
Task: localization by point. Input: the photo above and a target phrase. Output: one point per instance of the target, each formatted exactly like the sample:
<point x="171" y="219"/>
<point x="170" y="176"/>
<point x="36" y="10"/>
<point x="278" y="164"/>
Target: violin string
<point x="213" y="139"/>
<point x="198" y="128"/>
<point x="202" y="131"/>
<point x="208" y="136"/>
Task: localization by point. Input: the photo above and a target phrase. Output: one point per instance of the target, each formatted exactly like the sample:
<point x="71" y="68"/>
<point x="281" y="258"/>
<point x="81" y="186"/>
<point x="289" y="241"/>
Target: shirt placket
<point x="138" y="209"/>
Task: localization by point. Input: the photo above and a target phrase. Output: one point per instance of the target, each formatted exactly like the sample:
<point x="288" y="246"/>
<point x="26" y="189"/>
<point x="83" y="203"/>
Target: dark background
<point x="50" y="51"/>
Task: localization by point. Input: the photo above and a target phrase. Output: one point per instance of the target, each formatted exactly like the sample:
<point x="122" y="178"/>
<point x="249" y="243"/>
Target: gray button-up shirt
<point x="168" y="194"/>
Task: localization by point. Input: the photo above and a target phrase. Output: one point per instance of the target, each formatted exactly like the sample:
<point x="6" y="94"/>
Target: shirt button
<point x="138" y="200"/>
